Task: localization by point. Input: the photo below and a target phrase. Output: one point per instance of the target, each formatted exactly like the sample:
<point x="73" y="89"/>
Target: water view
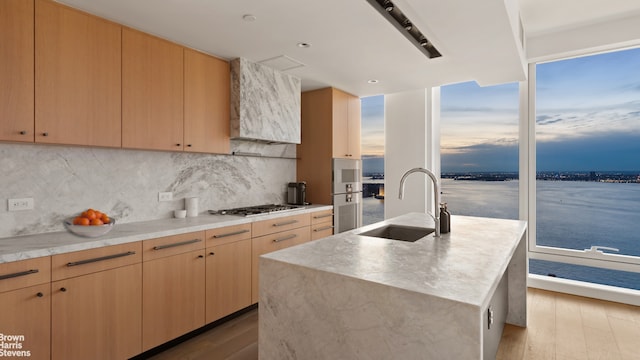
<point x="571" y="215"/>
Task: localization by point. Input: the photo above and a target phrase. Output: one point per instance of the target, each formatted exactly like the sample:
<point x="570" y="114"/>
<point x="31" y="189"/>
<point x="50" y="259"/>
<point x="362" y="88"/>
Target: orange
<point x="90" y="214"/>
<point x="96" y="222"/>
<point x="77" y="220"/>
<point x="83" y="221"/>
<point x="105" y="219"/>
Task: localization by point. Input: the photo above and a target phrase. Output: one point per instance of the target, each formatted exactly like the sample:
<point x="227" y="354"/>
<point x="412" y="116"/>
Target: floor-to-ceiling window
<point x="588" y="169"/>
<point x="372" y="159"/>
<point x="479" y="149"/>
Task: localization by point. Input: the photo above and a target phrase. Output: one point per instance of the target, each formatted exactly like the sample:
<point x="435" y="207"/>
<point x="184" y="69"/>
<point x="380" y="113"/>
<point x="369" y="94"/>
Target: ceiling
<point x="351" y="43"/>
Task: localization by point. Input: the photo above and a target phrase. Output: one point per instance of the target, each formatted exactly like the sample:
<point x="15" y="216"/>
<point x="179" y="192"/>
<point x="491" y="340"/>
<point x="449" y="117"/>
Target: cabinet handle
<point x="160" y="247"/>
<point x="285" y="238"/>
<point x="323" y="228"/>
<point x="39" y="294"/>
<point x="63" y="289"/>
<point x="23" y="132"/>
<point x="108" y="257"/>
<point x="45" y="134"/>
<point x="286" y="223"/>
<point x="322" y="216"/>
<point x="212" y="253"/>
<point x="21" y="273"/>
<point x="188" y="145"/>
<point x="230" y="234"/>
<point x="177" y="144"/>
<point x="200" y="256"/>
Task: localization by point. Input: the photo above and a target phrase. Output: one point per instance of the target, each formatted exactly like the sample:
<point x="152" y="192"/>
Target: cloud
<point x="481" y="157"/>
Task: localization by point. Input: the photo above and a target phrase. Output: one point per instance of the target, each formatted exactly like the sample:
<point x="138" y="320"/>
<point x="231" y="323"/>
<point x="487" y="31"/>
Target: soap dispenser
<point x="445" y="219"/>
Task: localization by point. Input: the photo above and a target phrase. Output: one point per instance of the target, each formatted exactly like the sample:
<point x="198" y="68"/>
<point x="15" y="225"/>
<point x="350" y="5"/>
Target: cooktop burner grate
<point x="259" y="209"/>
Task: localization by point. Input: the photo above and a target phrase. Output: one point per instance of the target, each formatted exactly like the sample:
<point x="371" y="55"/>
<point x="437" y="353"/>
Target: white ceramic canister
<point x="191" y="205"/>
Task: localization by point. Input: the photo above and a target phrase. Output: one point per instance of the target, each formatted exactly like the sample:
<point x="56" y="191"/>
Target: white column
<point x="412" y="139"/>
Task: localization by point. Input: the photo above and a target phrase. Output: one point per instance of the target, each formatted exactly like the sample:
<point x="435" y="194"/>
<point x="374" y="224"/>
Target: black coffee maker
<point x="297" y="193"/>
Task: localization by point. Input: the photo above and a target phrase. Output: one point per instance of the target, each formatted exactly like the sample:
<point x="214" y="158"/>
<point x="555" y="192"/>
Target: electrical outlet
<point x="20" y="204"/>
<point x="165" y="196"/>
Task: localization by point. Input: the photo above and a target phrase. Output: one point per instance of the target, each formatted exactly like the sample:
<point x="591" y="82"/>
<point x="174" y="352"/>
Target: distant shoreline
<point x="588" y="176"/>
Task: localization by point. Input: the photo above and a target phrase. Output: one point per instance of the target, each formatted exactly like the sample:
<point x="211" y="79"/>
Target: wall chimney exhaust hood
<point x="265" y="103"/>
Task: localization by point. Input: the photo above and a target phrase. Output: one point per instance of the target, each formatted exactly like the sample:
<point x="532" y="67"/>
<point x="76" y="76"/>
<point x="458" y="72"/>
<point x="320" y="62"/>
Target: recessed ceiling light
<point x="304" y="45"/>
<point x="373" y="81"/>
<point x="249" y="18"/>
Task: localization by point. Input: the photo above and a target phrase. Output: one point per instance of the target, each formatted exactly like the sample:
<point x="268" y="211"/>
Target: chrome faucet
<point x="436" y="194"/>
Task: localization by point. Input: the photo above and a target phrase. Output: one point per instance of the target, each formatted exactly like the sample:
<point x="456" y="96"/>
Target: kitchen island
<point x="350" y="296"/>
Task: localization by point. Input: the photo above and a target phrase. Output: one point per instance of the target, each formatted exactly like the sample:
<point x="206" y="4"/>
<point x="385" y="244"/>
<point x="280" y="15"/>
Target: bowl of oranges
<point x="90" y="223"/>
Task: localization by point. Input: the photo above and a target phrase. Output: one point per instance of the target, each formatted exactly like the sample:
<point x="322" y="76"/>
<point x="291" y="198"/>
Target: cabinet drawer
<point x="318" y="231"/>
<point x="228" y="234"/>
<point x="272" y="242"/>
<point x="322" y="217"/>
<point x="83" y="262"/>
<point x="260" y="228"/>
<point x="172" y="245"/>
<point x="24" y="273"/>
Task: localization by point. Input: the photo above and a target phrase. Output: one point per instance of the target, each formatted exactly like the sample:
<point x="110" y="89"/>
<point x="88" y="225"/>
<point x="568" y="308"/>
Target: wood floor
<point x="561" y="327"/>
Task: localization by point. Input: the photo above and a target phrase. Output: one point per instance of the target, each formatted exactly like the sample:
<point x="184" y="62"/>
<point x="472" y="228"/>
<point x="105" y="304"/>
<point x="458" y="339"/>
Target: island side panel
<point x="517" y="272"/>
<point x="312" y="314"/>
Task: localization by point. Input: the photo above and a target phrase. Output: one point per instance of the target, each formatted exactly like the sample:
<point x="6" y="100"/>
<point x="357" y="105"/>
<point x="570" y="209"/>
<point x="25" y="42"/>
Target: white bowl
<point x="89" y="230"/>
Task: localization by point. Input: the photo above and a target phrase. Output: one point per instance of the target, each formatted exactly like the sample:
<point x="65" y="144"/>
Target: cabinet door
<point x="228" y="279"/>
<point x="354" y="127"/>
<point x="268" y="243"/>
<point x="206" y="103"/>
<point x="77" y="86"/>
<point x="97" y="316"/>
<point x="26" y="313"/>
<point x="16" y="70"/>
<point x="173" y="297"/>
<point x="340" y="122"/>
<point x="152" y="92"/>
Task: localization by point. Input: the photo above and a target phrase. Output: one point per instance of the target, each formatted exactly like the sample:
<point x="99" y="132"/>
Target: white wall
<point x="412" y="139"/>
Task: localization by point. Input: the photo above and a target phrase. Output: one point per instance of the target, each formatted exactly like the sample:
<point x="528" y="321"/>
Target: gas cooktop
<point x="257" y="210"/>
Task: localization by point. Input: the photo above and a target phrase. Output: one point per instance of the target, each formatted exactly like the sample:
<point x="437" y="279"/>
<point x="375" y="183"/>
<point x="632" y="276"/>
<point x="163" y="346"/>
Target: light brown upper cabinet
<point x="330" y="129"/>
<point x="16" y="70"/>
<point x="346" y="125"/>
<point x="77" y="77"/>
<point x="152" y="92"/>
<point x="206" y="103"/>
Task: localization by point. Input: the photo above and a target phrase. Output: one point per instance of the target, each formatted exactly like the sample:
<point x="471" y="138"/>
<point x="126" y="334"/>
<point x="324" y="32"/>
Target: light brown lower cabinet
<point x="228" y="277"/>
<point x="25" y="308"/>
<point x="116" y="302"/>
<point x="272" y="242"/>
<point x="96" y="303"/>
<point x="173" y="287"/>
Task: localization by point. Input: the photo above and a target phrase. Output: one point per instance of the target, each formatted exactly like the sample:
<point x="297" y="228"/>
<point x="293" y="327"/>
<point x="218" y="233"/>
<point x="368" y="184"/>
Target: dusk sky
<point x="588" y="118"/>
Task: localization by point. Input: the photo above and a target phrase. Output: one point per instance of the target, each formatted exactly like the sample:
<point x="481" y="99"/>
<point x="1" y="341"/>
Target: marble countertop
<point x="464" y="265"/>
<point x="32" y="246"/>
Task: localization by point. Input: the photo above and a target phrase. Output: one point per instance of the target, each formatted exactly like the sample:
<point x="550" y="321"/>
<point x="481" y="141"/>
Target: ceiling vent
<point x="281" y="63"/>
<point x="395" y="16"/>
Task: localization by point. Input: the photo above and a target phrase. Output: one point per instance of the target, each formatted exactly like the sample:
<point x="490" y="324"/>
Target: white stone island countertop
<point x="32" y="246"/>
<point x="464" y="265"/>
<point x="349" y="296"/>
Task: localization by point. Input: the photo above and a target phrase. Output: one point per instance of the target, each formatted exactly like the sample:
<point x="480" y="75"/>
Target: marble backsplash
<point x="65" y="180"/>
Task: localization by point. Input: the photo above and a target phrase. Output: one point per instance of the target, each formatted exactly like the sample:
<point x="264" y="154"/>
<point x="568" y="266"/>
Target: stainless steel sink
<point x="399" y="232"/>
